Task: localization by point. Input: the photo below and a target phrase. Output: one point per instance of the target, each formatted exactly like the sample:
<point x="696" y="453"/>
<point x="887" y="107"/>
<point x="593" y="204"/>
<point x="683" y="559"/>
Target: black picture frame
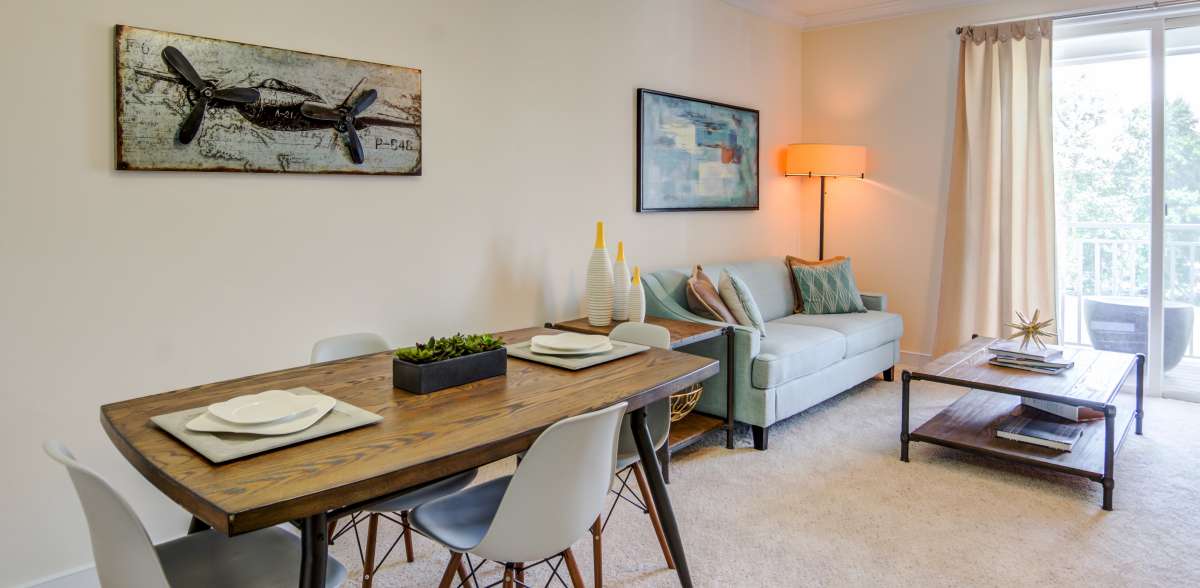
<point x="642" y="93"/>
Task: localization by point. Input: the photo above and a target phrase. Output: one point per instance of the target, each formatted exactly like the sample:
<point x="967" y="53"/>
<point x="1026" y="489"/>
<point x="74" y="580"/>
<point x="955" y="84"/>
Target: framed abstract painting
<point x="695" y="154"/>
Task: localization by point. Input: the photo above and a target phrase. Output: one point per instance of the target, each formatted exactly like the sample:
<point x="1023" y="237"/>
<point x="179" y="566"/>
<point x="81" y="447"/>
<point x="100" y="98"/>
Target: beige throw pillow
<point x="704" y="300"/>
<point x="736" y="295"/>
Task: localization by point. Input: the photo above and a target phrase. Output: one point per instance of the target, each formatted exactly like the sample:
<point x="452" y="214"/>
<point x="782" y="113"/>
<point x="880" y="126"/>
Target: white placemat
<point x="575" y="362"/>
<point x="222" y="447"/>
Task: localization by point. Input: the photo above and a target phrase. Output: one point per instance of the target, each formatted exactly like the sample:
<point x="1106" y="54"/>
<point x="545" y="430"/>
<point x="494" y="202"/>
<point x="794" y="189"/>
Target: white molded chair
<point x="535" y="514"/>
<point x="344" y="346"/>
<point x="269" y="558"/>
<point x="658" y="419"/>
<point x="354" y="345"/>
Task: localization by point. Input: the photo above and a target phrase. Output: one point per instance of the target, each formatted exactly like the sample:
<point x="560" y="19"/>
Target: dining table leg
<point x="658" y="493"/>
<point x="197" y="526"/>
<point x="314" y="554"/>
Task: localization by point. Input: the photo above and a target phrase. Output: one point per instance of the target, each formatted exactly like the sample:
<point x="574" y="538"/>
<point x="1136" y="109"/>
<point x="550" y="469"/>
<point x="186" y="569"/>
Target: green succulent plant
<point x="448" y="348"/>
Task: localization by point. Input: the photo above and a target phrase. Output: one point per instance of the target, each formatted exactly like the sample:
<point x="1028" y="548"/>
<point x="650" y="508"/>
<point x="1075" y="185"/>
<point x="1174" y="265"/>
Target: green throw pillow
<point x="828" y="289"/>
<point x="736" y="295"/>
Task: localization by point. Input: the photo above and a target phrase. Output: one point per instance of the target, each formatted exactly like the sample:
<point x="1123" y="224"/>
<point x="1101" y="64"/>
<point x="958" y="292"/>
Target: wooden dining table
<point x="421" y="438"/>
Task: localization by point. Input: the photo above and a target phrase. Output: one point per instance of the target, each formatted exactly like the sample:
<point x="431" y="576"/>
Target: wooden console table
<point x="695" y="425"/>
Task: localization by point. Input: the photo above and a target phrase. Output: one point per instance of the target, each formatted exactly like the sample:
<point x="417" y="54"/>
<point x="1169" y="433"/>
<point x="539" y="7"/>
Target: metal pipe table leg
<point x="658" y="493"/>
<point x="314" y="554"/>
<point x="1110" y="416"/>
<point x="1141" y="386"/>
<point x="730" y="338"/>
<point x="905" y="378"/>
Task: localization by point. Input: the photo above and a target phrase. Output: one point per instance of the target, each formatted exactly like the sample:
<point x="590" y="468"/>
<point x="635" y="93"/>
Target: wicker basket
<point x="683" y="402"/>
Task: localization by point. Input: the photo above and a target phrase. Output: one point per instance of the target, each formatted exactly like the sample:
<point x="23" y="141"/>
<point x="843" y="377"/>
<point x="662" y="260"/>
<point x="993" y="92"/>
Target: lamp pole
<point x="821" y="242"/>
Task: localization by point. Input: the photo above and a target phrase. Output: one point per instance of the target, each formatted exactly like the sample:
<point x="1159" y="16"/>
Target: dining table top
<point x="421" y="438"/>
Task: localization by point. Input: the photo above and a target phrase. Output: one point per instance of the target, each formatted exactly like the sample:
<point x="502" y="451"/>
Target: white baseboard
<point x="81" y="577"/>
<point x="914" y="359"/>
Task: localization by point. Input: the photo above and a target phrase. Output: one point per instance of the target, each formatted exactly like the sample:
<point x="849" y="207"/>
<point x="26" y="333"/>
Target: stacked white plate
<point x="570" y="344"/>
<point x="274" y="412"/>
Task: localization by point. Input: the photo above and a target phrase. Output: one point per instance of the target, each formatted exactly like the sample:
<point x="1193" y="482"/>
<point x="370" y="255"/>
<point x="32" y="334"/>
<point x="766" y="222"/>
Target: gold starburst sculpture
<point x="1031" y="330"/>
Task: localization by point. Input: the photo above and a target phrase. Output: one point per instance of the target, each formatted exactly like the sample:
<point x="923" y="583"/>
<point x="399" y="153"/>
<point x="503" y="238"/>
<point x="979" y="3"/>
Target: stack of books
<point x="1050" y="424"/>
<point x="1043" y="360"/>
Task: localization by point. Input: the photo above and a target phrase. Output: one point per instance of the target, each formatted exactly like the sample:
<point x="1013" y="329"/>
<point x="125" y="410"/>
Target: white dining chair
<point x="658" y="419"/>
<point x="269" y="558"/>
<point x="535" y="514"/>
<point x="344" y="346"/>
<point x="396" y="508"/>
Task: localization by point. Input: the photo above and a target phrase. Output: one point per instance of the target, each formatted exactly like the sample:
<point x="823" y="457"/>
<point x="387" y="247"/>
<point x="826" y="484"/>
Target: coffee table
<point x="969" y="424"/>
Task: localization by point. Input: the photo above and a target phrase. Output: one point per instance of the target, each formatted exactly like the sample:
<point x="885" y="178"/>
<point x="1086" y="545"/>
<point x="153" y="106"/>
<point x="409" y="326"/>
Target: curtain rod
<point x="1135" y="8"/>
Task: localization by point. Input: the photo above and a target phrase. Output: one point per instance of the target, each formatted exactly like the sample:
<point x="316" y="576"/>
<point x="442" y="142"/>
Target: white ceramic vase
<point x="637" y="298"/>
<point x="599" y="283"/>
<point x="620" y="309"/>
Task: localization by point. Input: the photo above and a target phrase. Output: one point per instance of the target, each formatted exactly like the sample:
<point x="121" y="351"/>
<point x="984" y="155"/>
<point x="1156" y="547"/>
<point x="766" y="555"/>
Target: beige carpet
<point x="830" y="504"/>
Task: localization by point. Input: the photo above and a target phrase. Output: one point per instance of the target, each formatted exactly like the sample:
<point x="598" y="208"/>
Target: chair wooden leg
<point x="520" y="567"/>
<point x="451" y="568"/>
<point x="464" y="574"/>
<point x="369" y="557"/>
<point x="508" y="576"/>
<point x="597" y="560"/>
<point x="332" y="529"/>
<point x="649" y="501"/>
<point x="573" y="568"/>
<point x="408" y="552"/>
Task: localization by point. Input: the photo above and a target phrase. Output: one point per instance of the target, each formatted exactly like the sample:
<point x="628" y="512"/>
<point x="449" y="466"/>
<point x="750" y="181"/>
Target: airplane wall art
<point x="188" y="103"/>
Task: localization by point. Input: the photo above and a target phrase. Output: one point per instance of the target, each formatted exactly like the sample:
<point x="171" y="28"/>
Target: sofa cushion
<point x="863" y="331"/>
<point x="794" y="351"/>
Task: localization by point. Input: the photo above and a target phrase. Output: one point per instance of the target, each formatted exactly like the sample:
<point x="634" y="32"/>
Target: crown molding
<point x="778" y="10"/>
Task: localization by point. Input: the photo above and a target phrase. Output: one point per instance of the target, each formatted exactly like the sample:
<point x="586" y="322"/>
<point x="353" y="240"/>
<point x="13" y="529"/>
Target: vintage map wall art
<point x="199" y="104"/>
<point x="695" y="154"/>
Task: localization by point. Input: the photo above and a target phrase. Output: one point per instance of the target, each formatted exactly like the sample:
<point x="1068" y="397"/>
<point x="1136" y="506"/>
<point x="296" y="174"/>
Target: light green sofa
<point x="802" y="361"/>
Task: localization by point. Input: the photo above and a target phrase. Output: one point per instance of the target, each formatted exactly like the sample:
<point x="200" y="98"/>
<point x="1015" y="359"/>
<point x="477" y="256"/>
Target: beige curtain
<point x="999" y="249"/>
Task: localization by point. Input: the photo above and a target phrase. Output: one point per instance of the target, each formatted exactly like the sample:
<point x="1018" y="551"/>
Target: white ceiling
<point x="810" y="14"/>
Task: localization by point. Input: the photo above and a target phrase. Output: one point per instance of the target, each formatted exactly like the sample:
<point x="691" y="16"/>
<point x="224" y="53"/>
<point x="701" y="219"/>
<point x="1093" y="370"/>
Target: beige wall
<point x="890" y="85"/>
<point x="123" y="284"/>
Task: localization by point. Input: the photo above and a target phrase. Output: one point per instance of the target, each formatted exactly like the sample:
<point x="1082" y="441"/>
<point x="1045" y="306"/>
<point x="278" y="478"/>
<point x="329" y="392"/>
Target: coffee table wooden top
<point x="1094" y="381"/>
<point x="682" y="332"/>
<point x="421" y="438"/>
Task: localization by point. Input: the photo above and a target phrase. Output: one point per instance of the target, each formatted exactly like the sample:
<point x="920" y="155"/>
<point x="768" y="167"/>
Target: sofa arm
<point x="874" y="300"/>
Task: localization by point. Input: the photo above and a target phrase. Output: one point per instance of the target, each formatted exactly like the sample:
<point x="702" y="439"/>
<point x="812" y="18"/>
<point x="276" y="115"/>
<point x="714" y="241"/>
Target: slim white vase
<point x="599" y="283"/>
<point x="620" y="285"/>
<point x="637" y="298"/>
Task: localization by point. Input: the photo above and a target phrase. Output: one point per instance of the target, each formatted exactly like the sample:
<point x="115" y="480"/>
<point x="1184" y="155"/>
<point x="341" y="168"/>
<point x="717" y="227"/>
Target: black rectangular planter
<point x="429" y="377"/>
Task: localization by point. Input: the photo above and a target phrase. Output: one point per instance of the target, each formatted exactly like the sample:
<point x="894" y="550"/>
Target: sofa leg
<point x="889" y="374"/>
<point x="760" y="437"/>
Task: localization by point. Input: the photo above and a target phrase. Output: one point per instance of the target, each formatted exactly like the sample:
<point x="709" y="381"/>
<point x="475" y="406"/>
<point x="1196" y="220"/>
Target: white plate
<point x="207" y="423"/>
<point x="264" y="407"/>
<point x="571" y="342"/>
<point x="605" y="348"/>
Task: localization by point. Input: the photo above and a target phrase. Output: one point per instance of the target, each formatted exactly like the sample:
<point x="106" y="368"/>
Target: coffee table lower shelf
<point x="969" y="424"/>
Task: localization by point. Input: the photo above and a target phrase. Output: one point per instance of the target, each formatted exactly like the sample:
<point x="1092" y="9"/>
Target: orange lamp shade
<point x="817" y="159"/>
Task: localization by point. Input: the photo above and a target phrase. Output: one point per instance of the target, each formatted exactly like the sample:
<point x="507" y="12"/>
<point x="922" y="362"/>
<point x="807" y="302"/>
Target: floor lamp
<point x="818" y="160"/>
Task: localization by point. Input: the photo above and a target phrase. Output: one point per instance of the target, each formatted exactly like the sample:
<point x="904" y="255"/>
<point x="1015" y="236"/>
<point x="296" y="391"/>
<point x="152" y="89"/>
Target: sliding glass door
<point x="1127" y="183"/>
<point x="1181" y="196"/>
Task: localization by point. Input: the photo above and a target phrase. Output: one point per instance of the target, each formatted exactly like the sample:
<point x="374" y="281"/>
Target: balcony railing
<point x="1113" y="259"/>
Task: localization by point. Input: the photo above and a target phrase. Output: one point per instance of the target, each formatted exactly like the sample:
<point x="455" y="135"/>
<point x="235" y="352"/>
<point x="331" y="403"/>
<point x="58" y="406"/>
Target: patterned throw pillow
<point x="793" y="261"/>
<point x="736" y="295"/>
<point x="704" y="300"/>
<point x="828" y="289"/>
